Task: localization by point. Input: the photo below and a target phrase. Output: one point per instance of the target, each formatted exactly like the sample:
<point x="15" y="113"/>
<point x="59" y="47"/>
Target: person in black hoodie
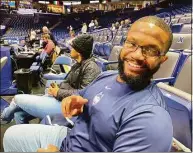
<point x="81" y="74"/>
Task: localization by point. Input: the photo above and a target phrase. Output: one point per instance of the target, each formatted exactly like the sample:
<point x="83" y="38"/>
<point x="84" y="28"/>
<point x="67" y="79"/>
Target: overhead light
<point x="94" y="2"/>
<point x="44" y="2"/>
<point x="71" y="2"/>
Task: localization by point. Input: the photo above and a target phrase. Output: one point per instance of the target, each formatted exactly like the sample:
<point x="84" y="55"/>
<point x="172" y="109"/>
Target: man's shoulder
<point x="107" y="74"/>
<point x="145" y="99"/>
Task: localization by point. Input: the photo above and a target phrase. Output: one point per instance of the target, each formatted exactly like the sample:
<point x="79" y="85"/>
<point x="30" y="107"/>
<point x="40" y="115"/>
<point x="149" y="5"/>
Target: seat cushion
<point x="52" y="76"/>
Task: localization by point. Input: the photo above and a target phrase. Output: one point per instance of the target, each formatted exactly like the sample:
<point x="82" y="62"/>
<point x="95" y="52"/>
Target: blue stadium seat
<point x="186" y="28"/>
<point x="181" y="41"/>
<point x="185" y="20"/>
<point x="61" y="61"/>
<point x="184" y="79"/>
<point x="179" y="106"/>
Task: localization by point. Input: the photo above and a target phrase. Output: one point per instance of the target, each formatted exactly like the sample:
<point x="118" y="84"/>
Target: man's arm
<point x="148" y="130"/>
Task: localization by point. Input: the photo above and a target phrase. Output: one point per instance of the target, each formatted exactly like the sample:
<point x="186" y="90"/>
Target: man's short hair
<point x="161" y="24"/>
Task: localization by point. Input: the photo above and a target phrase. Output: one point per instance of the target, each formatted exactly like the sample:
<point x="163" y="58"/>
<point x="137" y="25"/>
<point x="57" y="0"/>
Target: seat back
<point x="117" y="40"/>
<point x="179" y="107"/>
<point x="184" y="79"/>
<point x="176" y="28"/>
<point x="102" y="50"/>
<point x="174" y="21"/>
<point x="63" y="60"/>
<point x="114" y="57"/>
<point x="181" y="41"/>
<point x="167" y="68"/>
<point x="185" y="20"/>
<point x="186" y="28"/>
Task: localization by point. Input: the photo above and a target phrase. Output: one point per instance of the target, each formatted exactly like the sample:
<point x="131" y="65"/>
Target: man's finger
<point x="41" y="150"/>
<point x="74" y="112"/>
<point x="52" y="148"/>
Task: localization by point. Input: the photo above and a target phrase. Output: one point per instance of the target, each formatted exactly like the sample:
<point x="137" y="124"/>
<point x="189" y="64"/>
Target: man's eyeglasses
<point x="147" y="51"/>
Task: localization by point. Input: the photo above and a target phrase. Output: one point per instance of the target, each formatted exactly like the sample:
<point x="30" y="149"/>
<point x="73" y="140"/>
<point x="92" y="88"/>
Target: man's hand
<point x="73" y="105"/>
<point x="51" y="148"/>
<point x="53" y="90"/>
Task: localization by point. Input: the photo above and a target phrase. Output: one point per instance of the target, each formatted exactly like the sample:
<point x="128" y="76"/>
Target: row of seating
<point x="182" y="28"/>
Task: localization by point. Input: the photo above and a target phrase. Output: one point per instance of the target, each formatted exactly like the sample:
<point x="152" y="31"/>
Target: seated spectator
<point x="122" y="25"/>
<point x="84" y="28"/>
<point x="32" y="38"/>
<point x="72" y="34"/>
<point x="118" y="112"/>
<point x="113" y="27"/>
<point x="96" y="24"/>
<point x="117" y="25"/>
<point x="91" y="25"/>
<point x="45" y="30"/>
<point x="127" y="23"/>
<point x="49" y="48"/>
<point x="82" y="73"/>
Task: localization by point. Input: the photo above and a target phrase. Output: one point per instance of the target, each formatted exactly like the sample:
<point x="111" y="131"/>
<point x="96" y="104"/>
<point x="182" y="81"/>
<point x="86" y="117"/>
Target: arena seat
<point x="185" y="20"/>
<point x="117" y="40"/>
<point x="61" y="61"/>
<point x="176" y="28"/>
<point x="174" y="21"/>
<point x="179" y="107"/>
<point x="112" y="62"/>
<point x="168" y="67"/>
<point x="186" y="28"/>
<point x="184" y="79"/>
<point x="181" y="41"/>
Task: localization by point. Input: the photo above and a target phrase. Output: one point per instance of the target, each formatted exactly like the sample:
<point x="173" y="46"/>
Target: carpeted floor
<point x="35" y="90"/>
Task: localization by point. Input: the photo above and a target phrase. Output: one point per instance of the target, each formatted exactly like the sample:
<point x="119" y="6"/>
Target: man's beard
<point x="136" y="82"/>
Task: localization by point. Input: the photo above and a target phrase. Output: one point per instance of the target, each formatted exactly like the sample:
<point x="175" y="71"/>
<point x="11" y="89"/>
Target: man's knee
<point x="18" y="98"/>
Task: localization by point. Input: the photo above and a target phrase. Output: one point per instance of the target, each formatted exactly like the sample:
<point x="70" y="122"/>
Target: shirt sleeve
<point x="147" y="131"/>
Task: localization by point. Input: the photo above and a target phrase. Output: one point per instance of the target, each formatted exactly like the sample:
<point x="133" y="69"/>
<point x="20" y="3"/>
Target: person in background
<point x="91" y="25"/>
<point x="81" y="74"/>
<point x="113" y="27"/>
<point x="45" y="30"/>
<point x="32" y="38"/>
<point x="119" y="112"/>
<point x="72" y="34"/>
<point x="122" y="25"/>
<point x="127" y="23"/>
<point x="84" y="28"/>
<point x="70" y="28"/>
<point x="117" y="25"/>
<point x="49" y="48"/>
<point x="96" y="24"/>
